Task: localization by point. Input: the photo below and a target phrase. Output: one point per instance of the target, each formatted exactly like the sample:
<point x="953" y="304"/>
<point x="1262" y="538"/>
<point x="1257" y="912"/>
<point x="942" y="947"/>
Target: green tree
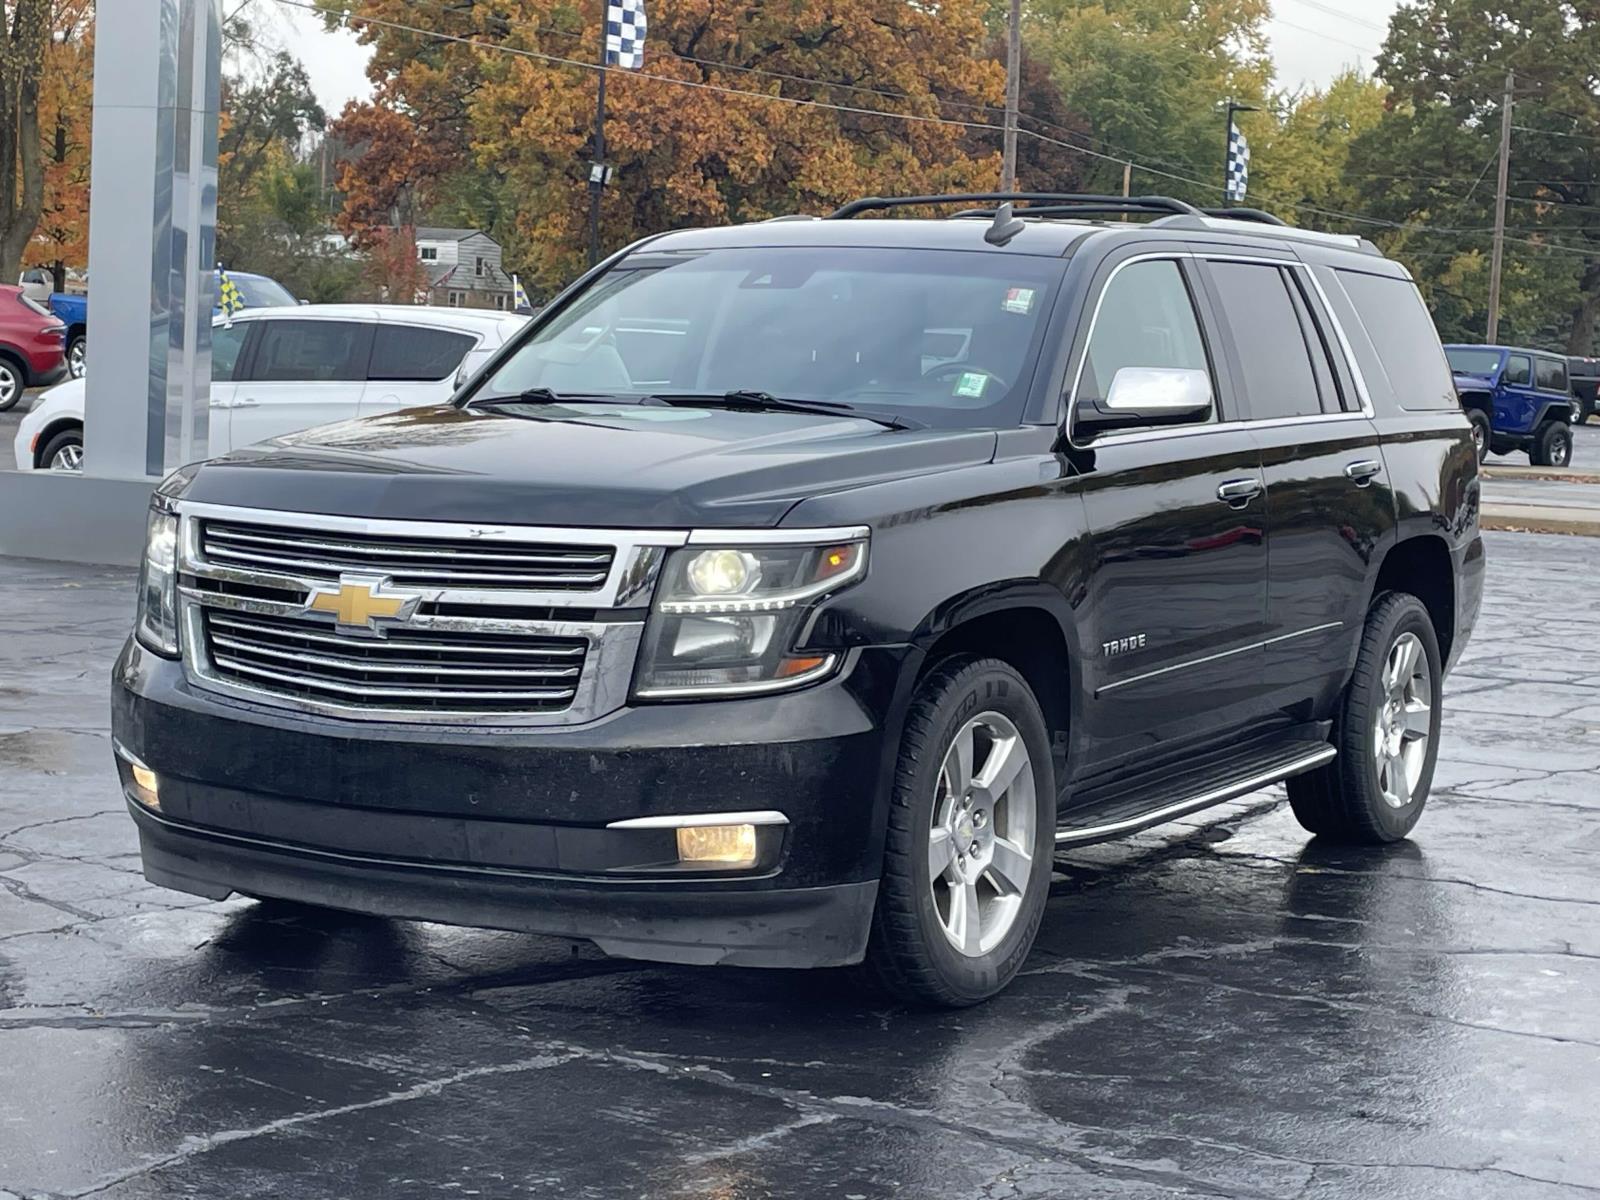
<point x="1149" y="78"/>
<point x="1429" y="164"/>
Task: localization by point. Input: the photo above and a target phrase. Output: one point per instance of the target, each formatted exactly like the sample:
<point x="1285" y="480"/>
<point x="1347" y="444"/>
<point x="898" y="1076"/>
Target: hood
<point x="619" y="466"/>
<point x="1464" y="381"/>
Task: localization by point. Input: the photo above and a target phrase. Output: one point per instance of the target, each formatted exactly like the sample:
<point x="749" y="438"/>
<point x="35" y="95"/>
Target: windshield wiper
<point x="544" y="395"/>
<point x="754" y="401"/>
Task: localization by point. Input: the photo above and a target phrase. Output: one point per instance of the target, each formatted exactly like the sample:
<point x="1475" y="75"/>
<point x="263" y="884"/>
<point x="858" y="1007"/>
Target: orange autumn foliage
<point x="683" y="155"/>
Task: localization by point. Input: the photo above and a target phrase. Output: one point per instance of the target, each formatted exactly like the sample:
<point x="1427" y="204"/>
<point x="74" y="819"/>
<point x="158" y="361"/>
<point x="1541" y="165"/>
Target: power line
<point x="1331" y="11"/>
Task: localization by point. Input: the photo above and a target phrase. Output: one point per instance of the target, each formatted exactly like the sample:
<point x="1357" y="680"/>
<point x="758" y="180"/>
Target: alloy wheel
<point x="10" y="385"/>
<point x="1404" y="722"/>
<point x="68" y="458"/>
<point x="77" y="355"/>
<point x="981" y="846"/>
<point x="1560" y="452"/>
<point x="1479" y="439"/>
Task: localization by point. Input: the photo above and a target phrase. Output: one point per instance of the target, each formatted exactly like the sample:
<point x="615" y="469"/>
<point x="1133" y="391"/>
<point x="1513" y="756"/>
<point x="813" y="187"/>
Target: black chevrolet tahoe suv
<point x="786" y="595"/>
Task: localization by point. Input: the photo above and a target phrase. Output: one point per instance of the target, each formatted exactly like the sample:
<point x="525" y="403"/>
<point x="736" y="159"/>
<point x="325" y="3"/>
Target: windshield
<point x="1466" y="360"/>
<point x="259" y="292"/>
<point x="947" y="338"/>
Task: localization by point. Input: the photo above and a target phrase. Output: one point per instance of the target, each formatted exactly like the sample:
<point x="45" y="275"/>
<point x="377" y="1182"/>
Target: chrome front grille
<point x="425" y="671"/>
<point x="449" y="623"/>
<point x="413" y="562"/>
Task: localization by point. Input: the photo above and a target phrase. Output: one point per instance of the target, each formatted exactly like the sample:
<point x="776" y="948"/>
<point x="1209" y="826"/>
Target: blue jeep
<point x="1516" y="400"/>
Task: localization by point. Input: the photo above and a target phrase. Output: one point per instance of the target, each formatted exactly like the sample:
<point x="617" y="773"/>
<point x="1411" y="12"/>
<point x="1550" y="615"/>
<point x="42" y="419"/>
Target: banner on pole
<point x="1238" y="164"/>
<point x="625" y="31"/>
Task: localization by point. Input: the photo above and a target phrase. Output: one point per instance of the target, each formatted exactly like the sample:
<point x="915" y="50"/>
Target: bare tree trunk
<point x="21" y="164"/>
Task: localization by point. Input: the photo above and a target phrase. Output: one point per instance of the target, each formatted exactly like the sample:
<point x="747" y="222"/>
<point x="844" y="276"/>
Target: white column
<point x="152" y="235"/>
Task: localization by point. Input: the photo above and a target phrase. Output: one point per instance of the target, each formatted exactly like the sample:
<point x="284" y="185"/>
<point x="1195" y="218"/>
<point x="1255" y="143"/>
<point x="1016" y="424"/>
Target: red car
<point x="32" y="346"/>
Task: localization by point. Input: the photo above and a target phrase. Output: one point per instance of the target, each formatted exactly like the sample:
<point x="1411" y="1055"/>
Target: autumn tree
<point x="66" y="95"/>
<point x="741" y="112"/>
<point x="24" y="35"/>
<point x="393" y="268"/>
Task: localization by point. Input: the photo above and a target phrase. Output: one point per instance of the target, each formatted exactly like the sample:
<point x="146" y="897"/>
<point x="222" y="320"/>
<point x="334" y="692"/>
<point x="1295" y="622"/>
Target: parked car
<point x="786" y="595"/>
<point x="32" y="353"/>
<point x="1516" y="399"/>
<point x="278" y="370"/>
<point x="1585" y="375"/>
<point x="258" y="291"/>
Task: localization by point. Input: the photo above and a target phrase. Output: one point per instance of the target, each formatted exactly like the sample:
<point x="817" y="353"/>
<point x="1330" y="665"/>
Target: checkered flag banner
<point x="625" y="30"/>
<point x="229" y="298"/>
<point x="1238" y="164"/>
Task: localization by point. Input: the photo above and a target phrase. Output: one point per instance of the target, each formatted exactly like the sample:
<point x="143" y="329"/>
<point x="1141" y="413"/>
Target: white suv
<point x="279" y="370"/>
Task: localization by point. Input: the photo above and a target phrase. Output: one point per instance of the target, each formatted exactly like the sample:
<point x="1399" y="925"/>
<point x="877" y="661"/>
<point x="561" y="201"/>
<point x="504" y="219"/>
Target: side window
<point x="1330" y="387"/>
<point x="1274" y="359"/>
<point x="1146" y="318"/>
<point x="294" y="351"/>
<point x="406" y="352"/>
<point x="226" y="343"/>
<point x="1397" y="322"/>
<point x="1519" y="371"/>
<point x="1552" y="375"/>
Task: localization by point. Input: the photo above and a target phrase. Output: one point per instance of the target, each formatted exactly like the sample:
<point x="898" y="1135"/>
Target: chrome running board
<point x="1126" y="822"/>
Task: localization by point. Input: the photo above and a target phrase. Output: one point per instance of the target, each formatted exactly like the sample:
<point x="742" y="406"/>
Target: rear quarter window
<point x="1396" y="322"/>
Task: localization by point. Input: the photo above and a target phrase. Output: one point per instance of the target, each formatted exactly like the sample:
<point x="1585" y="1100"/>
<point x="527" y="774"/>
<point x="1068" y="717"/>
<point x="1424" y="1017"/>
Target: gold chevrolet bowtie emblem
<point x="361" y="602"/>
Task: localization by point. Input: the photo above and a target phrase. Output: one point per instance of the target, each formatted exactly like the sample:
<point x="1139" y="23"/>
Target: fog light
<point x="725" y="845"/>
<point x="146" y="786"/>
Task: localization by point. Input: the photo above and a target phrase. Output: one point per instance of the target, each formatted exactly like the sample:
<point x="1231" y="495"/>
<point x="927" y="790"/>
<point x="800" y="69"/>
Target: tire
<point x="1482" y="433"/>
<point x="1552" y="445"/>
<point x="13" y="382"/>
<point x="67" y="446"/>
<point x="912" y="951"/>
<point x="1375" y="791"/>
<point x="77" y="356"/>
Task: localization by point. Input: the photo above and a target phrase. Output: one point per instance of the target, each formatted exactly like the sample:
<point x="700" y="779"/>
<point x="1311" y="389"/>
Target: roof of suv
<point x="476" y="319"/>
<point x="1049" y="236"/>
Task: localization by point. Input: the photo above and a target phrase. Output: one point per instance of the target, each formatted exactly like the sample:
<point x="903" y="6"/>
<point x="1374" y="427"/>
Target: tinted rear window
<point x="404" y="352"/>
<point x="1552" y="374"/>
<point x="293" y="351"/>
<point x="1397" y="322"/>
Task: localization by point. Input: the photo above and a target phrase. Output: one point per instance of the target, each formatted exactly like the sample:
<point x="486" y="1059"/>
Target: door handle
<point x="1363" y="472"/>
<point x="1237" y="493"/>
<point x="245" y="402"/>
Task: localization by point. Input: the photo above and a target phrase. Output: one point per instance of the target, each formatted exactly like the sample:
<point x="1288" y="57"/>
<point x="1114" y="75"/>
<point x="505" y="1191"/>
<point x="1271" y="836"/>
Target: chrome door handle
<point x="1237" y="493"/>
<point x="245" y="402"/>
<point x="1363" y="472"/>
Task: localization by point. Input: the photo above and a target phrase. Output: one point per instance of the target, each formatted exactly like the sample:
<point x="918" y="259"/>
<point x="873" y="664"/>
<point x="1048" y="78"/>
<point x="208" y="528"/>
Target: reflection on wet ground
<point x="1221" y="1007"/>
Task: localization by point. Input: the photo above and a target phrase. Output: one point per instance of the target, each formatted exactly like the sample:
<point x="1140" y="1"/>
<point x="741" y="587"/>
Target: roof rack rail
<point x="1244" y="214"/>
<point x="1118" y="205"/>
<point x="1058" y="200"/>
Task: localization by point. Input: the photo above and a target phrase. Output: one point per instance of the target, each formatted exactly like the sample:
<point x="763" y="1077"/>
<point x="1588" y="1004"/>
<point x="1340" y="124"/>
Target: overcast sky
<point x="1312" y="41"/>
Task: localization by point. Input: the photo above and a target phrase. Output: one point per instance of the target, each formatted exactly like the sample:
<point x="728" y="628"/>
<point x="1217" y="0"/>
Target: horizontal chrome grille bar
<point x="395" y="643"/>
<point x="411" y="669"/>
<point x="404" y="694"/>
<point x="410" y="561"/>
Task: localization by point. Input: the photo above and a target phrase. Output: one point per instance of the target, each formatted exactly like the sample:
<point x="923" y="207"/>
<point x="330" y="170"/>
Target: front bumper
<point x="507" y="828"/>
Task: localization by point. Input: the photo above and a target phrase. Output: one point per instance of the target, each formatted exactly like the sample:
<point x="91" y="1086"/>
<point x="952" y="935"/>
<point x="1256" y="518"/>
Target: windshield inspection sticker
<point x="1019" y="300"/>
<point x="971" y="384"/>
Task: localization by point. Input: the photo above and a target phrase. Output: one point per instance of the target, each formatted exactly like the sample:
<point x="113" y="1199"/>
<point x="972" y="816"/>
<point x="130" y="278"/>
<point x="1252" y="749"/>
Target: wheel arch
<point x="42" y="441"/>
<point x="1423" y="567"/>
<point x="1480" y="400"/>
<point x="17" y="359"/>
<point x="1024" y="623"/>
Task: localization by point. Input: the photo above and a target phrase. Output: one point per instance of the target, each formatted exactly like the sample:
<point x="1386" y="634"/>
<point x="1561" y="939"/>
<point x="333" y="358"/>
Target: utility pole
<point x="1497" y="261"/>
<point x="1008" y="160"/>
<point x="598" y="169"/>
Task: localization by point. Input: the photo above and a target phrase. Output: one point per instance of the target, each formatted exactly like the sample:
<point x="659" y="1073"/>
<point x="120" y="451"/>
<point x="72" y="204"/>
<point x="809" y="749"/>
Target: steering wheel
<point x="949" y="369"/>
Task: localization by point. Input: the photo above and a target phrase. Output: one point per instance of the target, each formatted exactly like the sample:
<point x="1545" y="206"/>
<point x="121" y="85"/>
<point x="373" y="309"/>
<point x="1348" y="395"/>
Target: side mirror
<point x="470" y="364"/>
<point x="1149" y="396"/>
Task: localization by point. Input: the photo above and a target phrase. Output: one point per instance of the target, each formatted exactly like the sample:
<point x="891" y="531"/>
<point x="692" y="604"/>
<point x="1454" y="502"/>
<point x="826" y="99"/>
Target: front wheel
<point x="970" y="841"/>
<point x="64" y="452"/>
<point x="1386" y="731"/>
<point x="1552" y="445"/>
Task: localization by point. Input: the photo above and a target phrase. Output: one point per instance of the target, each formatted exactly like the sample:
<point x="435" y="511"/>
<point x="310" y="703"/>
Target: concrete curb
<point x="1532" y="518"/>
<point x="1558" y="474"/>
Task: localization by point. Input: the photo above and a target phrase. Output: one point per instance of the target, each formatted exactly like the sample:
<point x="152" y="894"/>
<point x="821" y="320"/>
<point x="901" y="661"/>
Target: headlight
<point x="726" y="619"/>
<point x="157" y="621"/>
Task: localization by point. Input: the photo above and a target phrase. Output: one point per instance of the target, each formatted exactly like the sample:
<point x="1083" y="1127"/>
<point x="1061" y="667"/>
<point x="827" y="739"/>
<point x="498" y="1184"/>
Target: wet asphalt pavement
<point x="1217" y="1008"/>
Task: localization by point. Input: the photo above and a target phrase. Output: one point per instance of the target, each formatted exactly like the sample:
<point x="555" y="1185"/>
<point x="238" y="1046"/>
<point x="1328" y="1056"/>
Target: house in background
<point x="463" y="268"/>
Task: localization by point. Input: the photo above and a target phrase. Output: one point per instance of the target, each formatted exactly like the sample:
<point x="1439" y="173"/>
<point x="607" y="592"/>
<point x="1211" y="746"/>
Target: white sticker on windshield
<point x="1019" y="300"/>
<point x="971" y="384"/>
